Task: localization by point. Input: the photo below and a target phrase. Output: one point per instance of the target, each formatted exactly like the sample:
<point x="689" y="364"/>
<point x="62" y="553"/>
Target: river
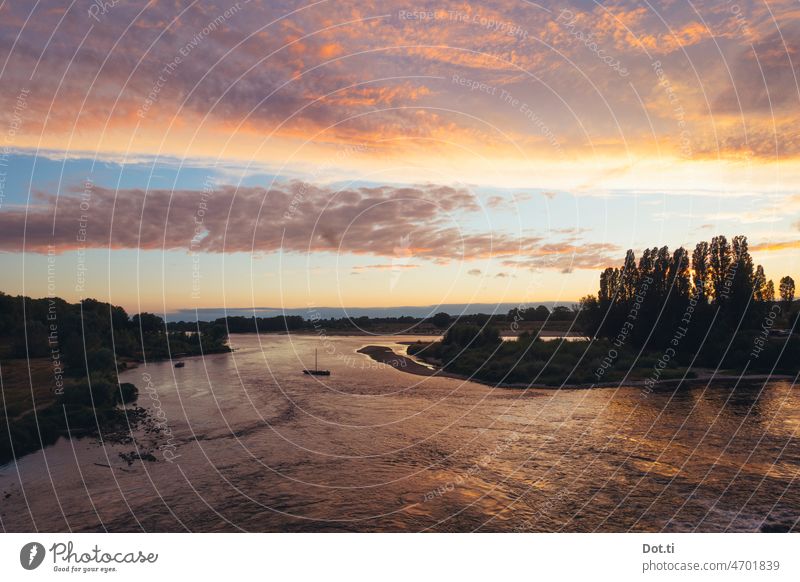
<point x="247" y="442"/>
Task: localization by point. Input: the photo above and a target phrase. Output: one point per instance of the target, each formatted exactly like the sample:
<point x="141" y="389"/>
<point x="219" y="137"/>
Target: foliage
<point x="441" y="320"/>
<point x="786" y="290"/>
<point x="92" y="336"/>
<point x="655" y="318"/>
<point x="668" y="298"/>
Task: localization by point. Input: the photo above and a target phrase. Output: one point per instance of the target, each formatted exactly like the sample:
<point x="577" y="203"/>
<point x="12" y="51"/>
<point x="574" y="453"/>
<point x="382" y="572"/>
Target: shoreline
<point x="387" y="356"/>
<point x="357" y="333"/>
<point x="403" y="363"/>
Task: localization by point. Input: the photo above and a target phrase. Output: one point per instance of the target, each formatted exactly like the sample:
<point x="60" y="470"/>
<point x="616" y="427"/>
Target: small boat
<point x="180" y="364"/>
<point x="316" y="371"/>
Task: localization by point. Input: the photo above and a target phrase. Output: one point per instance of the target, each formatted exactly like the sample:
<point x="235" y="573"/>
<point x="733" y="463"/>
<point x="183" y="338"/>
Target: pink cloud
<point x="294" y="217"/>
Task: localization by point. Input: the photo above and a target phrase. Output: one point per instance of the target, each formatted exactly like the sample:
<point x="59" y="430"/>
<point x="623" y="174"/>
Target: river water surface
<point x="255" y="445"/>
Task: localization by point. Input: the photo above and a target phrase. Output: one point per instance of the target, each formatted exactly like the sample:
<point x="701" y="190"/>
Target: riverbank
<point x="35" y="412"/>
<point x="387" y="356"/>
<point x="403" y="363"/>
<point x="439" y="333"/>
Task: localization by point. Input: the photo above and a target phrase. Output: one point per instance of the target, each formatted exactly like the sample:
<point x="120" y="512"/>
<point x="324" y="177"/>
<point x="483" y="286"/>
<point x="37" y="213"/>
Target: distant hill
<point x="210" y="314"/>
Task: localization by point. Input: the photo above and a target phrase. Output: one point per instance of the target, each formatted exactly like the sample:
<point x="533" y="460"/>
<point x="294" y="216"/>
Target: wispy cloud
<point x="769" y="247"/>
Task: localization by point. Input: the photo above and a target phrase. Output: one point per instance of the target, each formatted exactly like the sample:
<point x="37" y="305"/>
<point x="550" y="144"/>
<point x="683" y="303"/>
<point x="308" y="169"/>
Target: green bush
<point x="127" y="393"/>
<point x="94" y="394"/>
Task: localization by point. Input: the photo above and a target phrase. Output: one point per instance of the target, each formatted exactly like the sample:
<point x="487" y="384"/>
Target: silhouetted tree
<point x="589" y="315"/>
<point x="760" y="290"/>
<point x="770" y="291"/>
<point x="702" y="272"/>
<point x="679" y="274"/>
<point x="472" y="336"/>
<point x="661" y="272"/>
<point x="540" y="313"/>
<point x="147" y="322"/>
<point x="786" y="290"/>
<point x="720" y="262"/>
<point x="646" y="263"/>
<point x="741" y="276"/>
<point x="441" y="320"/>
<point x="562" y="313"/>
<point x="719" y="288"/>
<point x="609" y="284"/>
<point x="629" y="278"/>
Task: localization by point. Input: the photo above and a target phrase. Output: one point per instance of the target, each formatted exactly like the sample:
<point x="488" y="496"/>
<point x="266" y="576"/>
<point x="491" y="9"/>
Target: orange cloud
<point x="228" y="89"/>
<point x="330" y="50"/>
<point x="772" y="247"/>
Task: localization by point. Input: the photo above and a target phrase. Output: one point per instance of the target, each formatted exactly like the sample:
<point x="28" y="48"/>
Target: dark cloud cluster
<point x="408" y="223"/>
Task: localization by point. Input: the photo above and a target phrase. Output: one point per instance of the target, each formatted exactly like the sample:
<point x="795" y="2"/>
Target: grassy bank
<point x="34" y="415"/>
<point x="59" y="363"/>
<point x="531" y="361"/>
<point x="478" y="353"/>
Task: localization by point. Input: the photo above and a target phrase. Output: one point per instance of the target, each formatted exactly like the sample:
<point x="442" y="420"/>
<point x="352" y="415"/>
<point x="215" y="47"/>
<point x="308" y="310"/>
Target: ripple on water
<point x="262" y="447"/>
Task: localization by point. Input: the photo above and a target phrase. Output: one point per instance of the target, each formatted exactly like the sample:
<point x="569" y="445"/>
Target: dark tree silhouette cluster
<point x="712" y="300"/>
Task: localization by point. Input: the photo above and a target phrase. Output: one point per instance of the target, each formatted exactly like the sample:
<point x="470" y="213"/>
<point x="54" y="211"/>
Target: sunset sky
<point x="184" y="154"/>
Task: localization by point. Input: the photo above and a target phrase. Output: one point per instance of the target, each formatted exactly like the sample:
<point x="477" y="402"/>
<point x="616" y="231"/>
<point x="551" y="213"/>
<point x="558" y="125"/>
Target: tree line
<point x="94" y="334"/>
<point x="706" y="299"/>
